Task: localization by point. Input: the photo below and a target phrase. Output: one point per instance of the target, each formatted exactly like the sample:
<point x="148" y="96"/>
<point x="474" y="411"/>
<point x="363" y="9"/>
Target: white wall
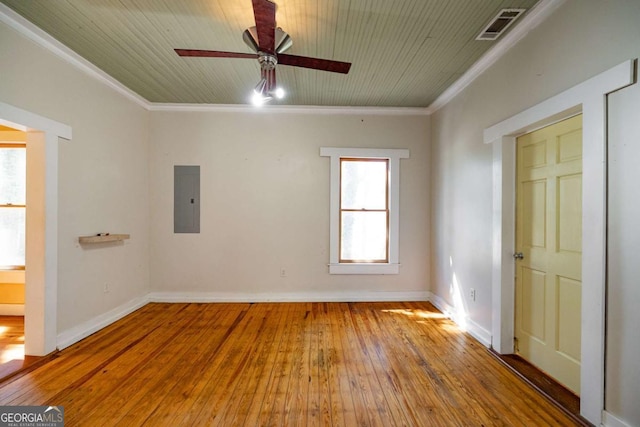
<point x="265" y="203"/>
<point x="623" y="295"/>
<point x="103" y="176"/>
<point x="582" y="39"/>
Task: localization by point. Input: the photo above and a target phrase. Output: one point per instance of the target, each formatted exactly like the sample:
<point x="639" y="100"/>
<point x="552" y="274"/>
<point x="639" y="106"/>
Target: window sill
<point x="373" y="268"/>
<point x="12" y="268"/>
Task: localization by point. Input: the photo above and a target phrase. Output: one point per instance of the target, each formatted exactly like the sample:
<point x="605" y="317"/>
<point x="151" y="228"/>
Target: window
<point x="364" y="217"/>
<point x="12" y="205"/>
<point x="364" y="210"/>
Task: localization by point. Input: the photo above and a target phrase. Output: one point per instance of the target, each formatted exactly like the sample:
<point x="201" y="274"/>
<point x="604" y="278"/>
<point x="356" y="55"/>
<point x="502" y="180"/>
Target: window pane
<point x="363" y="236"/>
<point x="12" y="236"/>
<point x="363" y="184"/>
<point x="13" y="167"/>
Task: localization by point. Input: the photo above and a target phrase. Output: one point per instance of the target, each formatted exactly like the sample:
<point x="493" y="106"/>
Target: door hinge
<point x="516" y="348"/>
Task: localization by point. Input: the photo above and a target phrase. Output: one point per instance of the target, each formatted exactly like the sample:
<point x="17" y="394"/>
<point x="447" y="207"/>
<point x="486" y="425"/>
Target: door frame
<point x="590" y="99"/>
<point x="41" y="284"/>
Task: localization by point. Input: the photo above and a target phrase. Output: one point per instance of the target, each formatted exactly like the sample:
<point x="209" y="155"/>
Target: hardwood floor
<point x="11" y="338"/>
<point x="560" y="395"/>
<point x="329" y="364"/>
<point x="12" y="357"/>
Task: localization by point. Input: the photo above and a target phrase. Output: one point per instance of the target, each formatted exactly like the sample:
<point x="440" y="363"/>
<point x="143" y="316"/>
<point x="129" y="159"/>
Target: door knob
<point x="518" y="255"/>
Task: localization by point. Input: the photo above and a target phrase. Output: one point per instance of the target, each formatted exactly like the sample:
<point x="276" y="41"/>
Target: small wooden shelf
<point x="103" y="238"/>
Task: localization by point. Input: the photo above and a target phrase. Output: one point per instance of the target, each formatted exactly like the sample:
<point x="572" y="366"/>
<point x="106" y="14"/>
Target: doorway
<point x="588" y="97"/>
<point x="548" y="288"/>
<point x="42" y="140"/>
<point x="12" y="248"/>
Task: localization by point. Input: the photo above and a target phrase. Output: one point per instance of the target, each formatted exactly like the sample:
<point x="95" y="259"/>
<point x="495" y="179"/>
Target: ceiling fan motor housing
<point x="283" y="40"/>
<point x="267" y="61"/>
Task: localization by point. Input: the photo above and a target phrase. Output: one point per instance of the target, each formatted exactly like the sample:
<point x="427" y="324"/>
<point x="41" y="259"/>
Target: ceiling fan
<point x="269" y="42"/>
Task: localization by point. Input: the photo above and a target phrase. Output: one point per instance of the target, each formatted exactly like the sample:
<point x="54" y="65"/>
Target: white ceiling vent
<point x="500" y="23"/>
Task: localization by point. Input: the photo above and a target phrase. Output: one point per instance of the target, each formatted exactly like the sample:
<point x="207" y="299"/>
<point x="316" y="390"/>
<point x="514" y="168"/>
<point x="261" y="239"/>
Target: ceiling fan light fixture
<point x="259" y="99"/>
<point x="261" y="94"/>
<point x="261" y="87"/>
<point x="279" y="93"/>
<point x="269" y="42"/>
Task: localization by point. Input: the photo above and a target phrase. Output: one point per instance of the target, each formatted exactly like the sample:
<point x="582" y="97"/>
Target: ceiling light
<point x="264" y="92"/>
<point x="261" y="93"/>
<point x="279" y="93"/>
<point x="259" y="100"/>
<point x="261" y="87"/>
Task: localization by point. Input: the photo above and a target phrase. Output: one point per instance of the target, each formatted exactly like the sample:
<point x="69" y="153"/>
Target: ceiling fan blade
<point x="264" y="12"/>
<point x="314" y="63"/>
<point x="214" y="53"/>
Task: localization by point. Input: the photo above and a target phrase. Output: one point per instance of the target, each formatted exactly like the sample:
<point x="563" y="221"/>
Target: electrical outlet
<point x="472" y="294"/>
<point x="106" y="289"/>
<point x="283" y="272"/>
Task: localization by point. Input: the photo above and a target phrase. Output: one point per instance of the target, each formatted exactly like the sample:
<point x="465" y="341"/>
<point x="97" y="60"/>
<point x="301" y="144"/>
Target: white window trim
<point x="394" y="156"/>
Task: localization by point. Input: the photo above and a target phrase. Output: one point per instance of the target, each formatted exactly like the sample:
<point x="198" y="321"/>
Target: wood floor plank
<point x="293" y="355"/>
<point x="266" y="382"/>
<point x="236" y="357"/>
<point x="447" y="367"/>
<point x="295" y="400"/>
<point x="137" y="370"/>
<point x="342" y="401"/>
<point x="159" y="375"/>
<point x="186" y="339"/>
<point x="382" y="370"/>
<point x="250" y="386"/>
<point x="293" y="364"/>
<point x="275" y="368"/>
<point x="431" y="366"/>
<point x="370" y="402"/>
<point x="84" y="357"/>
<point x="205" y="358"/>
<point x="406" y="379"/>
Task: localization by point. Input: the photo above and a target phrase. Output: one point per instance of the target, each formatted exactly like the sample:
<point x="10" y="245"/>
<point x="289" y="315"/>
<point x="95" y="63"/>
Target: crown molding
<point x="40" y="37"/>
<point x="289" y="109"/>
<point x="535" y="17"/>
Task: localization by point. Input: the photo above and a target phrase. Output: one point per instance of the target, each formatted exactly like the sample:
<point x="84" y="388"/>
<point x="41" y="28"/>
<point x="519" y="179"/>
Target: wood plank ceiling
<point x="404" y="52"/>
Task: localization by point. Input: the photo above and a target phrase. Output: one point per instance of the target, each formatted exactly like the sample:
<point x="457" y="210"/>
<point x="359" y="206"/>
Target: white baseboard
<point x="464" y="322"/>
<point x="479" y="333"/>
<point x="11" y="309"/>
<point x="77" y="333"/>
<point x="364" y="296"/>
<point x="610" y="420"/>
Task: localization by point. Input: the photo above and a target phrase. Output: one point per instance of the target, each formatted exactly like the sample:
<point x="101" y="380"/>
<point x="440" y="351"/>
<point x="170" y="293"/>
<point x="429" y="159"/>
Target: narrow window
<point x="13" y="167"/>
<point x="364" y="210"/>
<point x="364" y="218"/>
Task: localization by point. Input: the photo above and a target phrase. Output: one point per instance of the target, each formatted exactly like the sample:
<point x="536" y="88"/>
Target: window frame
<point x="393" y="156"/>
<point x="386" y="210"/>
<point x="4" y="145"/>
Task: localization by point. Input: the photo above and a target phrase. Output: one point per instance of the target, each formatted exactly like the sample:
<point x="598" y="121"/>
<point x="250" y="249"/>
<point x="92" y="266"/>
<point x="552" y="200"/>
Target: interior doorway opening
<point x="13" y="178"/>
<point x="588" y="97"/>
<point x="41" y="254"/>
